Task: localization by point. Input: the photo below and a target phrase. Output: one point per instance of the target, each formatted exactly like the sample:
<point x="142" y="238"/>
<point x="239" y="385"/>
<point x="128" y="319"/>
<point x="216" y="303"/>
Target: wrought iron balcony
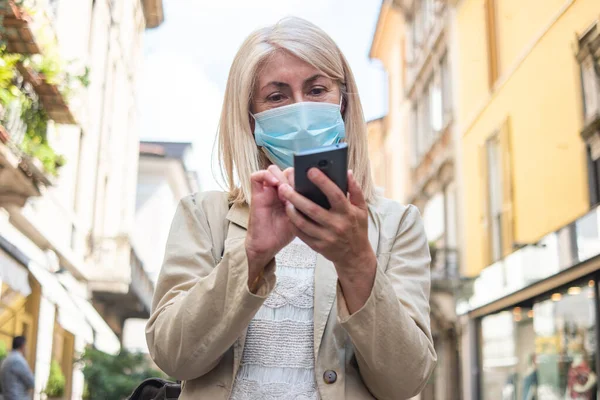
<point x="445" y="273"/>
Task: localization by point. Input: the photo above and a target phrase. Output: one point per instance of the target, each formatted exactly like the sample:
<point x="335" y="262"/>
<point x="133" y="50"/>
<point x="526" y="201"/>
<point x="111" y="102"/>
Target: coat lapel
<point x="238" y="214"/>
<point x="326" y="286"/>
<point x="325" y="289"/>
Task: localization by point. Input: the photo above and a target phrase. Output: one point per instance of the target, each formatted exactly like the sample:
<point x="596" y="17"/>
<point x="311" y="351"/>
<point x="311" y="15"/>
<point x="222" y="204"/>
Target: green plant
<point x="433" y="252"/>
<point x="34" y="141"/>
<point x="55" y="387"/>
<point x="3" y="351"/>
<point x="114" y="377"/>
<point x="3" y="354"/>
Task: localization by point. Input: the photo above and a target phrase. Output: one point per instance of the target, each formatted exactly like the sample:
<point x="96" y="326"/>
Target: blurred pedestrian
<point x="347" y="315"/>
<point x="15" y="376"/>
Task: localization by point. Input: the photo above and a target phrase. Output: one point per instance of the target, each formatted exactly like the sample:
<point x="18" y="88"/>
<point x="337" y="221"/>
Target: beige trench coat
<point x="202" y="307"/>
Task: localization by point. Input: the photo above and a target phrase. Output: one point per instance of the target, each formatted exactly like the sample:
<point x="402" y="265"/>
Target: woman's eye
<point x="317" y="91"/>
<point x="277" y="97"/>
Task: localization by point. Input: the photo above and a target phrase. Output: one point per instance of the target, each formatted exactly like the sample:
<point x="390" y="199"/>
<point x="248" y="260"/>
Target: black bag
<point x="156" y="389"/>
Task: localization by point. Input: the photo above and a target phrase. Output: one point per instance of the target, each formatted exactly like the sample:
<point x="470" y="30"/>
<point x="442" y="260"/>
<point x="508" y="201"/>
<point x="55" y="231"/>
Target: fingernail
<point x="312" y="173"/>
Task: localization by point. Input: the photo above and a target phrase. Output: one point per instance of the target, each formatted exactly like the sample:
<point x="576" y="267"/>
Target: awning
<point x="104" y="338"/>
<point x="14" y="274"/>
<point x="70" y="317"/>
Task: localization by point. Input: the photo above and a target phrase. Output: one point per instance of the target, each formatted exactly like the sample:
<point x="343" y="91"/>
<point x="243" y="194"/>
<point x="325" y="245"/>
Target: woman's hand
<point x="339" y="234"/>
<point x="269" y="227"/>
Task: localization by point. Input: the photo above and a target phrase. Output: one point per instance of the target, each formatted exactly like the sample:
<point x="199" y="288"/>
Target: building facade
<point x="165" y="176"/>
<point x="415" y="158"/>
<point x="68" y="151"/>
<point x="527" y="115"/>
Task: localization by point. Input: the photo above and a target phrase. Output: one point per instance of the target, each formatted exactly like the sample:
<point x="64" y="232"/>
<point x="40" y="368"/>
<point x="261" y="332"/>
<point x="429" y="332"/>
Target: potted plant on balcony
<point x="55" y="387"/>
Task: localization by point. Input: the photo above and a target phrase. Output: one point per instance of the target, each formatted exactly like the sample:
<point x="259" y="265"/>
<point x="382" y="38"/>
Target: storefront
<point x="51" y="310"/>
<point x="532" y="320"/>
<point x="19" y="302"/>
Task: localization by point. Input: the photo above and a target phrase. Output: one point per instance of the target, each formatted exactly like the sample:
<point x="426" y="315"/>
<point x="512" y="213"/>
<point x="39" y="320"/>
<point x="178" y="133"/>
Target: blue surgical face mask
<point x="283" y="131"/>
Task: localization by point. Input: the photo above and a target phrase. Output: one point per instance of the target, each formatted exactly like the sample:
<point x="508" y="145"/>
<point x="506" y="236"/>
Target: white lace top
<point x="278" y="360"/>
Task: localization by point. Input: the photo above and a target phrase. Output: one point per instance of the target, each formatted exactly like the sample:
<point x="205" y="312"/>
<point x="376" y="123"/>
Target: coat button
<point x="330" y="376"/>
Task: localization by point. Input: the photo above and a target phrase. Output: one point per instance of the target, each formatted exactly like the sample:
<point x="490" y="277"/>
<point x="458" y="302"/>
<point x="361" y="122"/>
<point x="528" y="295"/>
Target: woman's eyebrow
<point x="314" y="78"/>
<point x="275" y="83"/>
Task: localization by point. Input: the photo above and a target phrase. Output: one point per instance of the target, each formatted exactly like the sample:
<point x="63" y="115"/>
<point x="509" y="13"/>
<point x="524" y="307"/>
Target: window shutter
<point x="591" y="89"/>
<point x="507" y="189"/>
<point x="485" y="206"/>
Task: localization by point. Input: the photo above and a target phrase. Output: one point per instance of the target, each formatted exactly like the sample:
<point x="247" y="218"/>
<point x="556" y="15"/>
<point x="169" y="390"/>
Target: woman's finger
<point x="289" y="174"/>
<point x="261" y="178"/>
<point x="304" y="205"/>
<point x="356" y="195"/>
<point x="334" y="194"/>
<point x="303" y="224"/>
<point x="277" y="173"/>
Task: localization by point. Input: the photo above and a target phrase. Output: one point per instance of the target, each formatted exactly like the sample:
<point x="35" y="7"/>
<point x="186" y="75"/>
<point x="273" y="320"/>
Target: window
<point x="410" y="45"/>
<point x="414" y="127"/>
<point x="417" y="25"/>
<point x="589" y="44"/>
<point x="429" y="14"/>
<point x="436" y="113"/>
<point x="590" y="75"/>
<point x="507" y="353"/>
<point x="492" y="148"/>
<point x="423" y="124"/>
<point x="496" y="196"/>
<point x="446" y="88"/>
<point x="544" y="349"/>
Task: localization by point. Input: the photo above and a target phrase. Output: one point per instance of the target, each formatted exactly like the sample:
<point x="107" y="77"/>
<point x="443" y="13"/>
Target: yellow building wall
<point x="518" y="22"/>
<point x="472" y="87"/>
<point x="543" y="100"/>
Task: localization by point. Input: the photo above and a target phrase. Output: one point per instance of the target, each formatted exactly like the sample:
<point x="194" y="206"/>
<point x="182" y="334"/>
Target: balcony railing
<point x="141" y="284"/>
<point x="445" y="274"/>
<point x="119" y="280"/>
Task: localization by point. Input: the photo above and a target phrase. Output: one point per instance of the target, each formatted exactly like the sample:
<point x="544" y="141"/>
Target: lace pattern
<point x="278" y="360"/>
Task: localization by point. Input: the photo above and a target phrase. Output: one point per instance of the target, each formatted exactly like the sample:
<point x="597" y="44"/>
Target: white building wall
<point x="44" y="345"/>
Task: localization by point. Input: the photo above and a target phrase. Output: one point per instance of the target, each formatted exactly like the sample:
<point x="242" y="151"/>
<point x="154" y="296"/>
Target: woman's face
<point x="285" y="79"/>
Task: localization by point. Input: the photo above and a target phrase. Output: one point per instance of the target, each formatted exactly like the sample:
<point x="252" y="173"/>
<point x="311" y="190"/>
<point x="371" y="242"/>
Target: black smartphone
<point x="332" y="160"/>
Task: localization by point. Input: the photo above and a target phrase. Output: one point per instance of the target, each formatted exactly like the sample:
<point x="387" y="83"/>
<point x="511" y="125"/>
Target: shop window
<point x="565" y="329"/>
<point x="545" y="349"/>
<point x="508" y="353"/>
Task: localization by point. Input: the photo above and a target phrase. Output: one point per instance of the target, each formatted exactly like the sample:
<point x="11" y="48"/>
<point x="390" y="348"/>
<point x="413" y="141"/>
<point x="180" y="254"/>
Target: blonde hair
<point x="239" y="156"/>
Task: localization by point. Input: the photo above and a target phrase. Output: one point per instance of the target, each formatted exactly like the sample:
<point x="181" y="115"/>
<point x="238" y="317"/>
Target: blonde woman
<point x="257" y="301"/>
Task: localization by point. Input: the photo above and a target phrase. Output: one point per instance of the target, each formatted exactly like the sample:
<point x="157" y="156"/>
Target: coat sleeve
<point x="200" y="307"/>
<point x="391" y="333"/>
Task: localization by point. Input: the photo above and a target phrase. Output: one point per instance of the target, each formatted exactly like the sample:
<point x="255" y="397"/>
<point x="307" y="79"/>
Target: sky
<point x="187" y="60"/>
